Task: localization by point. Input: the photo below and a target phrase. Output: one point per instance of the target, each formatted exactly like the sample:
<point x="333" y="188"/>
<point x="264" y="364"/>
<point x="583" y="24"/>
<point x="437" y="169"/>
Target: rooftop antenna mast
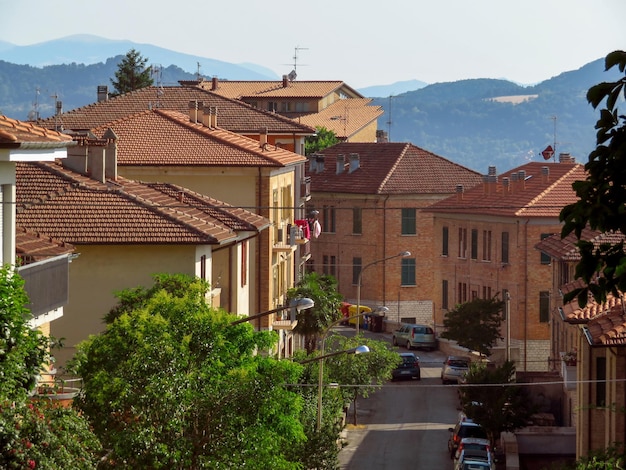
<point x="198" y="76"/>
<point x="294" y="73"/>
<point x="34" y="114"/>
<point x="157" y="71"/>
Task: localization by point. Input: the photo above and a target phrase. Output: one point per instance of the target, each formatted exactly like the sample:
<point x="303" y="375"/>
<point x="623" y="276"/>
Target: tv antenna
<point x="198" y="76"/>
<point x="157" y="73"/>
<point x="294" y="73"/>
<point x="33" y="115"/>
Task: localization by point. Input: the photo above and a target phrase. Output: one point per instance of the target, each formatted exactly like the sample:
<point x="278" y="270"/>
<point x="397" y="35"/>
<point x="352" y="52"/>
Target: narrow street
<point x="404" y="423"/>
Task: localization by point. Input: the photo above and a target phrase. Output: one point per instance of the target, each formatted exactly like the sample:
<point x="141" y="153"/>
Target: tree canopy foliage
<point x="322" y="139"/>
<point x="475" y="325"/>
<point x="602" y="196"/>
<point x="322" y="289"/>
<point x="497" y="408"/>
<point x="172" y="384"/>
<point x="132" y="73"/>
<point x="34" y="433"/>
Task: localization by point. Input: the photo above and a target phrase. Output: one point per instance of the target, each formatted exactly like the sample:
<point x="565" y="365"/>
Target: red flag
<point x="548" y="153"/>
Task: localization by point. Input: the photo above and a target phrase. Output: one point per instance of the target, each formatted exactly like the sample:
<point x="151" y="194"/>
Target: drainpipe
<point x="526" y="296"/>
<point x="384" y="254"/>
<point x="258" y="251"/>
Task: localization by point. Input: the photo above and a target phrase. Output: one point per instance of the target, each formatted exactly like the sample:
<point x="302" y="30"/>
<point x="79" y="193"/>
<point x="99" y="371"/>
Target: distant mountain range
<point x="476" y="123"/>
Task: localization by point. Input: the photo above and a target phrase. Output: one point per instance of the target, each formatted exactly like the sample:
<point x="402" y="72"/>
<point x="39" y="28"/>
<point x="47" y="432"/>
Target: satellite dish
<point x="292" y="75"/>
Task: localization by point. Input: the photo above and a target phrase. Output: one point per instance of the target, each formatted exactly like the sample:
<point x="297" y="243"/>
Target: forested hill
<point x="484" y="122"/>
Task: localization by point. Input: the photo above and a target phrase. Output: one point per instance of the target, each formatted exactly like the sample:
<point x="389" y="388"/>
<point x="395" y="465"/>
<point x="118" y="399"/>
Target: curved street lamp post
<point x="404" y="254"/>
<point x="300" y="304"/>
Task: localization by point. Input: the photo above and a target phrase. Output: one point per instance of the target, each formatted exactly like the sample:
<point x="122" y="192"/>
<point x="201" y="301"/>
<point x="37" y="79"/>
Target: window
<point x="356" y="270"/>
<point x="444" y="241"/>
<point x="544" y="306"/>
<point x="272" y="106"/>
<point x="328" y="219"/>
<point x="474" y="250"/>
<point x="276" y="216"/>
<point x="333" y="266"/>
<point x="486" y="292"/>
<point x="444" y="294"/>
<point x="408" y="272"/>
<point x="486" y="245"/>
<point x="244" y="263"/>
<point x="203" y="267"/>
<point x="545" y="259"/>
<point x="505" y="247"/>
<point x="600" y="381"/>
<point x="357" y="220"/>
<point x="462" y="242"/>
<point x="408" y="222"/>
<point x="325" y="264"/>
<point x="507" y="303"/>
<point x="462" y="293"/>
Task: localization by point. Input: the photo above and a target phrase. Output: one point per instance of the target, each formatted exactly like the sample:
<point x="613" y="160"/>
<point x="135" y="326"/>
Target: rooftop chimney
<point x="492" y="171"/>
<point x="214" y="83"/>
<point x="566" y="158"/>
<point x="285" y="81"/>
<point x="341" y="161"/>
<point x="459" y="192"/>
<point x="263" y="137"/>
<point x="506" y="186"/>
<point x="545" y="174"/>
<point x="103" y="93"/>
<point x="206" y="116"/>
<point x="193" y="111"/>
<point x="355" y="162"/>
<point x="521" y="177"/>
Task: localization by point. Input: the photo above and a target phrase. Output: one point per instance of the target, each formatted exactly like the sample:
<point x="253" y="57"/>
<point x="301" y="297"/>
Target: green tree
<point x="172" y="384"/>
<point x="475" y="325"/>
<point x="497" y="408"/>
<point x="33" y="433"/>
<point x="322" y="139"/>
<point x="132" y="73"/>
<point x="602" y="195"/>
<point x="361" y="374"/>
<point x="322" y="289"/>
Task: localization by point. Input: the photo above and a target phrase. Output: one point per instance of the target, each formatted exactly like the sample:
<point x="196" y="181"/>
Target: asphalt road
<point x="404" y="424"/>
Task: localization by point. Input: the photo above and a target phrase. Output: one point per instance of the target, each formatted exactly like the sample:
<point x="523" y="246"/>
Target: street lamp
<point x="299" y="305"/>
<point x="322" y="356"/>
<point x="404" y="254"/>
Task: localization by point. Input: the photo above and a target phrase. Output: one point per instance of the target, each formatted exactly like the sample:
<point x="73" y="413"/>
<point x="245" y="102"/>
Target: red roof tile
<point x="33" y="246"/>
<point x="233" y="115"/>
<point x="240" y="89"/>
<point x="534" y="190"/>
<point x="165" y="137"/>
<point x="14" y="133"/>
<point x="79" y="210"/>
<point x="608" y="329"/>
<point x="390" y="168"/>
<point x="566" y="250"/>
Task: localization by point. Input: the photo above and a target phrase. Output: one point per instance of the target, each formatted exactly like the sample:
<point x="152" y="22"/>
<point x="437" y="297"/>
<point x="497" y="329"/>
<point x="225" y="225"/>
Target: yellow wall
<point x="102" y="270"/>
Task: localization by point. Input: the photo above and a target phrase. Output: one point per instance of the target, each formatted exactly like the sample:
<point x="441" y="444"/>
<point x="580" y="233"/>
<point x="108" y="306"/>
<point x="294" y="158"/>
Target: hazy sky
<point x="362" y="42"/>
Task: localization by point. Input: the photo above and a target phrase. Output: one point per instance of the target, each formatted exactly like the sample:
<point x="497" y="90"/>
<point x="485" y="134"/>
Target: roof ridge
<point x="548" y="189"/>
<point x="393" y="168"/>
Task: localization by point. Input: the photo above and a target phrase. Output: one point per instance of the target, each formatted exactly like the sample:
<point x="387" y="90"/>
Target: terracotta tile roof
<point x="165" y="137"/>
<point x="79" y="210"/>
<point x="530" y="193"/>
<point x="608" y="329"/>
<point x="33" y="246"/>
<point x="240" y="90"/>
<point x="390" y="168"/>
<point x="566" y="250"/>
<point x="14" y="133"/>
<point x="344" y="117"/>
<point x="233" y="115"/>
<point x="573" y="313"/>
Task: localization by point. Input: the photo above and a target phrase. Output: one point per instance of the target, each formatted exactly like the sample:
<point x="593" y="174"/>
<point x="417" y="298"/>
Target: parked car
<point x="472" y="448"/>
<point x="454" y="369"/>
<point x="415" y="336"/>
<point x="409" y="368"/>
<point x="463" y="429"/>
<point x="468" y="458"/>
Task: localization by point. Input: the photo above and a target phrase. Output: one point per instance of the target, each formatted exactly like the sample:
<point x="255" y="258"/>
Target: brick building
<point x="370" y="198"/>
<point x="484" y="241"/>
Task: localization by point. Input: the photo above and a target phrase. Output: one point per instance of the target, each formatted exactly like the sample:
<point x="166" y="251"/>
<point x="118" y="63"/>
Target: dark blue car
<point x="409" y="368"/>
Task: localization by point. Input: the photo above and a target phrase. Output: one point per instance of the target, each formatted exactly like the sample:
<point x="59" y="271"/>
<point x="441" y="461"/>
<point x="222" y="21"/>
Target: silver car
<point x="454" y="368"/>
